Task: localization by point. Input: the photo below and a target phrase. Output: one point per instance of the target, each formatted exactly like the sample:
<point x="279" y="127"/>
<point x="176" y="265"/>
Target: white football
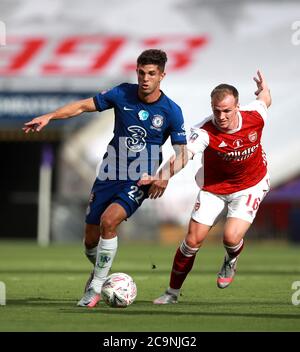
<point x="119" y="290"/>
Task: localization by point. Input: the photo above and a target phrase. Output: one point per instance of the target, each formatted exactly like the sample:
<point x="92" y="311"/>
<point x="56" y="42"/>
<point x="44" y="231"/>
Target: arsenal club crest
<point x="252" y="136"/>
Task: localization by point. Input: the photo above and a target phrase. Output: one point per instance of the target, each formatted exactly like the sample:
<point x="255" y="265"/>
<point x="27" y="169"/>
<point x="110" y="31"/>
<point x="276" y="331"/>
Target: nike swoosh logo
<point x="127" y="109"/>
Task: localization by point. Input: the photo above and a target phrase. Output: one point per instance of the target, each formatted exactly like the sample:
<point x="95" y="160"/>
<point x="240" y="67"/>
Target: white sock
<point x="106" y="252"/>
<point x="186" y="250"/>
<point x="91" y="254"/>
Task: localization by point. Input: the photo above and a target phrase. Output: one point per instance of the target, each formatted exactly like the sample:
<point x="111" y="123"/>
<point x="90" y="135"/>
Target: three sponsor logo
<point x="137" y="142"/>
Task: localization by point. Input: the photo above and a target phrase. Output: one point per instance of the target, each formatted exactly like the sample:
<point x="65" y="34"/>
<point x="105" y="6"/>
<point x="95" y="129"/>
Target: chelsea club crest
<point x="157" y="121"/>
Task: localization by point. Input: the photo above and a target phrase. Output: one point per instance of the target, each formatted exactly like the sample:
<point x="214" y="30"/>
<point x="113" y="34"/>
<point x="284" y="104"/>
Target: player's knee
<point x="107" y="224"/>
<point x="195" y="238"/>
<point x="231" y="238"/>
<point x="193" y="241"/>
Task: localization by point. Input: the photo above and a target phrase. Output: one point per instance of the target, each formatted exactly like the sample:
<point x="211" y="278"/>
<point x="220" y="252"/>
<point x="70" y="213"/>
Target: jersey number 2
<point x="135" y="194"/>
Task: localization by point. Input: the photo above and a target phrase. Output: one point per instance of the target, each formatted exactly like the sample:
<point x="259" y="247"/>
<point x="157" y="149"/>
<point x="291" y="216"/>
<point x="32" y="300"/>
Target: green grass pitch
<point x="44" y="284"/>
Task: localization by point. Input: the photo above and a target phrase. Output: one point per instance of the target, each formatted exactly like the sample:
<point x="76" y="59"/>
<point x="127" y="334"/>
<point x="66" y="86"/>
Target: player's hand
<point x="157" y="187"/>
<point x="146" y="180"/>
<point x="36" y="124"/>
<point x="260" y="81"/>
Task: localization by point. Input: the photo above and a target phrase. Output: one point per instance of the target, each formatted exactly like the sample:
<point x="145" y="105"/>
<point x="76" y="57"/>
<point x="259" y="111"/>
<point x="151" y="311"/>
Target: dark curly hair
<point x="153" y="57"/>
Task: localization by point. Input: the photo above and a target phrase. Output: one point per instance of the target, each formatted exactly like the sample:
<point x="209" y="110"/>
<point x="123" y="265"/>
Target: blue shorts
<point x="126" y="193"/>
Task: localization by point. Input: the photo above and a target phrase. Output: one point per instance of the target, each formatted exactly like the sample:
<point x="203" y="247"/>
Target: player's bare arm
<point x="262" y="92"/>
<point x="160" y="181"/>
<point x="69" y="110"/>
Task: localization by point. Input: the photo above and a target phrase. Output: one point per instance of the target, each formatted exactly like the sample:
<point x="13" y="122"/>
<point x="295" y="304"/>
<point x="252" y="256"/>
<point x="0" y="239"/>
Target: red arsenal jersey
<point x="232" y="160"/>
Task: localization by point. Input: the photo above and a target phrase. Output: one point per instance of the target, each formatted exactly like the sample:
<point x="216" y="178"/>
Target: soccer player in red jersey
<point x="233" y="180"/>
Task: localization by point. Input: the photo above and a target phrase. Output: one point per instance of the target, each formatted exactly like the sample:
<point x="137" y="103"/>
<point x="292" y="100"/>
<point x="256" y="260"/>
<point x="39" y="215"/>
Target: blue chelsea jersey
<point x="139" y="132"/>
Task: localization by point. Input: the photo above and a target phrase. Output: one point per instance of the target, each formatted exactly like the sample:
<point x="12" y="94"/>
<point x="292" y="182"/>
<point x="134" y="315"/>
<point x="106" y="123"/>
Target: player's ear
<point x="162" y="75"/>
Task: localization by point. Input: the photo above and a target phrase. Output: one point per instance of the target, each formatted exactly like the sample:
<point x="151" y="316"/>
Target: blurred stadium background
<point x="59" y="51"/>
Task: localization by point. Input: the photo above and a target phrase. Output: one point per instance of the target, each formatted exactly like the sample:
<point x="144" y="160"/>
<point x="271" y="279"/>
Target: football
<point x="119" y="290"/>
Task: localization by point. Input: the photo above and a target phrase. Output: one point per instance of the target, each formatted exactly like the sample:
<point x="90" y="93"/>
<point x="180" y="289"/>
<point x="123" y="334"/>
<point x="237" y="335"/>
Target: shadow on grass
<point x="140" y="308"/>
<point x="132" y="311"/>
<point x="41" y="302"/>
<point x="67" y="272"/>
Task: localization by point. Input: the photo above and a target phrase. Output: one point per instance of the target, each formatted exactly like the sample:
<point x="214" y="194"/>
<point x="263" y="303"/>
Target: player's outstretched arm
<point x="160" y="181"/>
<point x="69" y="110"/>
<point x="262" y="92"/>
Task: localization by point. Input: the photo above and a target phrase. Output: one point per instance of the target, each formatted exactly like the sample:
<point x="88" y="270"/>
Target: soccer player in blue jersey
<point x="144" y="119"/>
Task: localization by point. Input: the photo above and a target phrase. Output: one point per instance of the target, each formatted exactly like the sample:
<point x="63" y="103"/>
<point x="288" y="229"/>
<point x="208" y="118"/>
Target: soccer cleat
<point x="227" y="272"/>
<point x="89" y="299"/>
<point x="166" y="298"/>
<point x="87" y="284"/>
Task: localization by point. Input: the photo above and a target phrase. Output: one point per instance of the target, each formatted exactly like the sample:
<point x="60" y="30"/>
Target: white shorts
<point x="209" y="207"/>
